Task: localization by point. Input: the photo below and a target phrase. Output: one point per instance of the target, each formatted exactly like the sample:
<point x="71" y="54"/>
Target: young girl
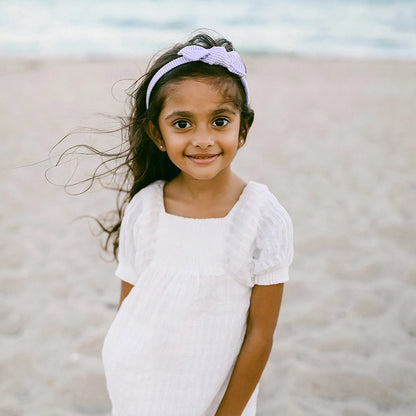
<point x="202" y="255"/>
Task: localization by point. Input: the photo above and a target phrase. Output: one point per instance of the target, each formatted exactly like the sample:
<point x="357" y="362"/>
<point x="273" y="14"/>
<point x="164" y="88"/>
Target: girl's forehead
<point x="200" y="91"/>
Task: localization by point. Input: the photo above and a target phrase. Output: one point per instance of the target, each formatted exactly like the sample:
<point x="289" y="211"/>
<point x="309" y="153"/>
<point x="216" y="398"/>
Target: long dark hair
<point x="139" y="162"/>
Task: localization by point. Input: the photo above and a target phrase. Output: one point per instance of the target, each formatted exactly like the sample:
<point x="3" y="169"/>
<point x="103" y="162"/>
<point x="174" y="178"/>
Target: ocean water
<point x="106" y="28"/>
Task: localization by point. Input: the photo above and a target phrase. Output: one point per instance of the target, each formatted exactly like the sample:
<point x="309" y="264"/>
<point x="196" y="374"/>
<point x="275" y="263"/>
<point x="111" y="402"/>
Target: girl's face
<point x="200" y="128"/>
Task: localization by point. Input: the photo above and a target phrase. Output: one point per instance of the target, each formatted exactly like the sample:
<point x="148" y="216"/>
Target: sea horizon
<point x="128" y="28"/>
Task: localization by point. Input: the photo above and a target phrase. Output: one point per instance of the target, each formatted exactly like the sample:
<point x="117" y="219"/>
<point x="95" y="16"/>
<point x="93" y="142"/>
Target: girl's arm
<point x="262" y="319"/>
<point x="125" y="290"/>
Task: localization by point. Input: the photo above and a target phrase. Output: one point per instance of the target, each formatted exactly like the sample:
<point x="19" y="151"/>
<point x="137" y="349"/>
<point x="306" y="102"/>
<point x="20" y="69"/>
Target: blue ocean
<point x="111" y="28"/>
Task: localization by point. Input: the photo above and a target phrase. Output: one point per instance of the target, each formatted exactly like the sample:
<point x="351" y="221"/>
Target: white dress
<point x="172" y="346"/>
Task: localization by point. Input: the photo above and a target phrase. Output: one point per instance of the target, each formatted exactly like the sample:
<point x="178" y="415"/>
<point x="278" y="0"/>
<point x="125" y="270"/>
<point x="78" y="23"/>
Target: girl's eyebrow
<point x="178" y="114"/>
<point x="189" y="114"/>
<point x="224" y="110"/>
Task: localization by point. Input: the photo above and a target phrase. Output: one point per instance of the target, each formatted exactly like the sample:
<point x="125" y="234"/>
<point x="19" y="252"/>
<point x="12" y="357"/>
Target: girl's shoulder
<point x="260" y="212"/>
<point x="264" y="201"/>
<point x="271" y="218"/>
<point x="148" y="192"/>
<point x="146" y="200"/>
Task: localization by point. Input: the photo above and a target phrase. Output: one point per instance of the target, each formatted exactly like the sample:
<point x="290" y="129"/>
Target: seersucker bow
<point x="217" y="55"/>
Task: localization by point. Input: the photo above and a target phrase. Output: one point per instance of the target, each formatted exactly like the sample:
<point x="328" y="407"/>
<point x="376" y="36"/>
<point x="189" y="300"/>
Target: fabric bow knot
<point x="216" y="55"/>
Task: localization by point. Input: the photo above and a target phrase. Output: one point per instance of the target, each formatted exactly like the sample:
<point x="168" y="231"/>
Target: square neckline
<point x="239" y="201"/>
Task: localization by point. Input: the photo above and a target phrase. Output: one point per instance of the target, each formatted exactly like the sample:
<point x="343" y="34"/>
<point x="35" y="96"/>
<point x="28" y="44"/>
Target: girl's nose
<point x="203" y="138"/>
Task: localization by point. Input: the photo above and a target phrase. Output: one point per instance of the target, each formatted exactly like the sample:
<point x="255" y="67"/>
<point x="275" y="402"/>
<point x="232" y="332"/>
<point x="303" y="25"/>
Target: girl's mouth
<point x="202" y="159"/>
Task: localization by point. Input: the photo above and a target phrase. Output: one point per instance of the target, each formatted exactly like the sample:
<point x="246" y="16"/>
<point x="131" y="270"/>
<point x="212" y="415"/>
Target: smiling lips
<point x="203" y="158"/>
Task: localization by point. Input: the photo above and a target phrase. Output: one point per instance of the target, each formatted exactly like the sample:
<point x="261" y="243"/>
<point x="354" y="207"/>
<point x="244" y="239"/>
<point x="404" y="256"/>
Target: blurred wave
<point x="101" y="28"/>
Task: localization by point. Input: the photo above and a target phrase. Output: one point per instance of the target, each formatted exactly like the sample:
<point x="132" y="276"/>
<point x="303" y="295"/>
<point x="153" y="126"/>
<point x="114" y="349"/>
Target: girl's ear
<point x="244" y="129"/>
<point x="153" y="132"/>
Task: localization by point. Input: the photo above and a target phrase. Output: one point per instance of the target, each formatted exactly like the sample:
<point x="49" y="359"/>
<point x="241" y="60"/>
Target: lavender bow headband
<point x="216" y="55"/>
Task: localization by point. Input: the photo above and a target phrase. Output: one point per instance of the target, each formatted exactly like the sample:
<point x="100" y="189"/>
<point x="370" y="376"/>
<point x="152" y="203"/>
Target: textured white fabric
<point x="173" y="344"/>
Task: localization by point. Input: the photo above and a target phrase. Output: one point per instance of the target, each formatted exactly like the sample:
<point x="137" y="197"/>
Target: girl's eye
<point x="181" y="124"/>
<point x="220" y="122"/>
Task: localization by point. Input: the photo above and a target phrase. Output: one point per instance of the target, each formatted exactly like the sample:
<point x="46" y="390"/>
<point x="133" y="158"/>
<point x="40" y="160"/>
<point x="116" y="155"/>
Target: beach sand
<point x="334" y="140"/>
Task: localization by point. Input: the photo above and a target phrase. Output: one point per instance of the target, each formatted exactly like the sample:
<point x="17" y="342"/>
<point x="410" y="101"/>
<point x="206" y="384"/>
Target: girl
<point x="202" y="255"/>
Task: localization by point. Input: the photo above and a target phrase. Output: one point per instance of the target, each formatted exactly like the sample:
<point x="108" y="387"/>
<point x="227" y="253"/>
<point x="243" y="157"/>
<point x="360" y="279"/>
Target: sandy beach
<point x="334" y="140"/>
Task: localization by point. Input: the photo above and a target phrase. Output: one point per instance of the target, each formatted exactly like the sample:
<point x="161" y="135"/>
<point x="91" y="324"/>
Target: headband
<point x="216" y="55"/>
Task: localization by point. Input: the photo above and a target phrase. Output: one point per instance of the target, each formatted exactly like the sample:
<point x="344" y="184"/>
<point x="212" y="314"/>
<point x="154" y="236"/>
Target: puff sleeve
<point x="273" y="251"/>
<point x="126" y="269"/>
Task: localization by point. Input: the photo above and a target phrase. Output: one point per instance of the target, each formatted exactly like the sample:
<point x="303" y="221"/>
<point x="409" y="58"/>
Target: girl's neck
<point x="189" y="197"/>
<point x="207" y="189"/>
